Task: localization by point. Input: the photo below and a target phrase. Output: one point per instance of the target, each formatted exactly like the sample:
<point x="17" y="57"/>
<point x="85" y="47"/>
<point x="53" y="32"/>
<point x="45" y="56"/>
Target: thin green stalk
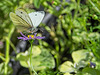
<point x="57" y="55"/>
<point x="94" y="6"/>
<point x="12" y="45"/>
<point x="57" y="60"/>
<point x="76" y="10"/>
<point x="31" y="66"/>
<point x="7" y="57"/>
<point x="2" y="58"/>
<point x="30" y="71"/>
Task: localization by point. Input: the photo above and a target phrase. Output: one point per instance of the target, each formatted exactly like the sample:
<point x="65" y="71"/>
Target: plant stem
<point x="31" y="66"/>
<point x="7" y="57"/>
<point x="57" y="55"/>
<point x="94" y="6"/>
<point x="30" y="71"/>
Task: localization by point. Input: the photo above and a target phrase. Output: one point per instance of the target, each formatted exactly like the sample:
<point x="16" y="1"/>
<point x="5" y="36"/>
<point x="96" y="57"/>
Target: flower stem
<point x="31" y="66"/>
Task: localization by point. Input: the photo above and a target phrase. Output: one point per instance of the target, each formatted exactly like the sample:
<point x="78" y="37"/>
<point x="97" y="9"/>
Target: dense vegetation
<point x="72" y="38"/>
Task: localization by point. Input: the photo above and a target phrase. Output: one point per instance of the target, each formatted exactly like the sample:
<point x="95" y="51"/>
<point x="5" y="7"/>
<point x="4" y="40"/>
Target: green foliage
<point x="76" y="33"/>
<point x="80" y="55"/>
<point x="81" y="59"/>
<point x="41" y="58"/>
<point x="90" y="71"/>
<point x="2" y="69"/>
<point x="67" y="67"/>
<point x="47" y="72"/>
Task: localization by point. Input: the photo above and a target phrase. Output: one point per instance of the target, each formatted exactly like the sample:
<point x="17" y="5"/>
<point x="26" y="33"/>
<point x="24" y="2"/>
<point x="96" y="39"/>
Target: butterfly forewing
<point x="36" y="17"/>
<point x="19" y="22"/>
<point x="23" y="14"/>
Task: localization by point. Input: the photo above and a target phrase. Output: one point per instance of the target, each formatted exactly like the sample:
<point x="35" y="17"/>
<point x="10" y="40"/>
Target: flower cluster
<point x="30" y="37"/>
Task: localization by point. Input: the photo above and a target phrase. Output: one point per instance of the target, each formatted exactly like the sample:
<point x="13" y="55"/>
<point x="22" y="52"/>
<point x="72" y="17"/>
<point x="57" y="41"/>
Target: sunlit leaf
<point x="80" y="55"/>
<point x="41" y="59"/>
<point x="66" y="67"/>
<point x="67" y="74"/>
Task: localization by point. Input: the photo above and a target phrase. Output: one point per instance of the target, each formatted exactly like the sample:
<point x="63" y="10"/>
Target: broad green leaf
<point x="79" y="73"/>
<point x="24" y="63"/>
<point x="79" y="55"/>
<point x="41" y="59"/>
<point x="66" y="67"/>
<point x="23" y="56"/>
<point x="90" y="71"/>
<point x="44" y="60"/>
<point x="35" y="51"/>
<point x="80" y="64"/>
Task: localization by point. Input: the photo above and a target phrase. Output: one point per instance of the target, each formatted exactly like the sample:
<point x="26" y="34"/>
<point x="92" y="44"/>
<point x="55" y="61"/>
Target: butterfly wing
<point x="21" y="24"/>
<point x="23" y="14"/>
<point x="36" y="17"/>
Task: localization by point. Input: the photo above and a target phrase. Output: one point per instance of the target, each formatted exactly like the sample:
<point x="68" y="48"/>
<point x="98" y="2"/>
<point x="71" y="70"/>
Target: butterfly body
<point x="26" y="22"/>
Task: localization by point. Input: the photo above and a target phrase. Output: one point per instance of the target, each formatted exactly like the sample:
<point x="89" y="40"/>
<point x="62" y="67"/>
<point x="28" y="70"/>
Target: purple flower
<point x="92" y="65"/>
<point x="30" y="37"/>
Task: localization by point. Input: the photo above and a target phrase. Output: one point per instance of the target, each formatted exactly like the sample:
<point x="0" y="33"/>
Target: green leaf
<point x="90" y="71"/>
<point x="80" y="55"/>
<point x="35" y="51"/>
<point x="67" y="74"/>
<point x="9" y="72"/>
<point x="23" y="56"/>
<point x="37" y="3"/>
<point x="24" y="63"/>
<point x="44" y="60"/>
<point x="41" y="58"/>
<point x="66" y="67"/>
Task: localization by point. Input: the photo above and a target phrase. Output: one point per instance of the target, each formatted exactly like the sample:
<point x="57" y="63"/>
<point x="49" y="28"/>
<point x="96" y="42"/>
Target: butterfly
<point x="26" y="22"/>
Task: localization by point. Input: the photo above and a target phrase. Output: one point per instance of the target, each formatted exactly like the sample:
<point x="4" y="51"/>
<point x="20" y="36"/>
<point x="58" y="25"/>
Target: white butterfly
<point x="27" y="22"/>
